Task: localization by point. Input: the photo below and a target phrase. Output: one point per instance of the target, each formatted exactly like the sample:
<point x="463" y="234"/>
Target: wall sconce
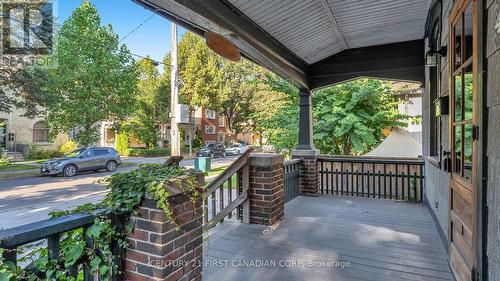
<point x="431" y="56"/>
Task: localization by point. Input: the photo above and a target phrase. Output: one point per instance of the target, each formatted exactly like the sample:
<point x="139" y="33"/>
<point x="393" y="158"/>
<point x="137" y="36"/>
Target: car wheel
<point x="70" y="170"/>
<point x="111" y="166"/>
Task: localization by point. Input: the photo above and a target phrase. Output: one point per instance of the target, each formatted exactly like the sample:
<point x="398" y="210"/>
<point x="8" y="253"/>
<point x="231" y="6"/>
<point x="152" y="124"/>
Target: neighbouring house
<point x="212" y="125"/>
<point x="18" y="133"/>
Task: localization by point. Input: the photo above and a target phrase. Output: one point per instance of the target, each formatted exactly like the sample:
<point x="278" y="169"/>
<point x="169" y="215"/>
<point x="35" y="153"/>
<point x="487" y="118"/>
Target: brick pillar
<point x="309" y="169"/>
<point x="157" y="249"/>
<point x="267" y="195"/>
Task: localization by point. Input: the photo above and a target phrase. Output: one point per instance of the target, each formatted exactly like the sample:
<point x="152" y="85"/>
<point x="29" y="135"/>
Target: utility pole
<point x="175" y="143"/>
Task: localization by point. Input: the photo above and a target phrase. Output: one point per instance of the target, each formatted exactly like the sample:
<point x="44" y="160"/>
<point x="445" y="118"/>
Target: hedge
<point x="154" y="152"/>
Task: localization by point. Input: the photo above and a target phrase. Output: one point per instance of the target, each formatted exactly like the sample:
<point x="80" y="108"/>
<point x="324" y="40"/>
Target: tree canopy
<point x="96" y="79"/>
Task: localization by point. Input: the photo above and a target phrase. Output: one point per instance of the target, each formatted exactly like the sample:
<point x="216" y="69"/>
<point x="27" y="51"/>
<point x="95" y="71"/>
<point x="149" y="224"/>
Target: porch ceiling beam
<point x="336" y="27"/>
<point x="399" y="61"/>
<point x="220" y="16"/>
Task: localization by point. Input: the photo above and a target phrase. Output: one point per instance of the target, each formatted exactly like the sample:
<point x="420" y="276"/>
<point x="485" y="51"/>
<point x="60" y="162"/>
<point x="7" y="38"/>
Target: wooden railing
<point x="291" y="178"/>
<point x="389" y="178"/>
<point x="51" y="230"/>
<point x="228" y="192"/>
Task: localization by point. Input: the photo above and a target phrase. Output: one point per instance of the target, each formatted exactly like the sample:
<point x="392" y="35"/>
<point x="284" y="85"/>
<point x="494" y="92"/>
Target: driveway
<point x="29" y="200"/>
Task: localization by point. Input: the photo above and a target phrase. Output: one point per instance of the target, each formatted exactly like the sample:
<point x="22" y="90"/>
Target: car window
<point x="208" y="145"/>
<point x="98" y="152"/>
<point x="75" y="153"/>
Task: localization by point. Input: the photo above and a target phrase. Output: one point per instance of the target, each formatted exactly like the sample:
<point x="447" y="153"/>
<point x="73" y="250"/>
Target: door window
<point x="463" y="94"/>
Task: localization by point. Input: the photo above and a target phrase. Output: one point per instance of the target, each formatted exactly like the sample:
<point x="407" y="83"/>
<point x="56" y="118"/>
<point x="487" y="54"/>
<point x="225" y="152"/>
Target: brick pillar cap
<point x="265" y="159"/>
<point x="305" y="153"/>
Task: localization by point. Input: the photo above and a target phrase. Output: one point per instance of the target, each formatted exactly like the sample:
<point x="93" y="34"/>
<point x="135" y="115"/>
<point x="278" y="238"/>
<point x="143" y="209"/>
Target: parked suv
<point x="212" y="150"/>
<point x="83" y="159"/>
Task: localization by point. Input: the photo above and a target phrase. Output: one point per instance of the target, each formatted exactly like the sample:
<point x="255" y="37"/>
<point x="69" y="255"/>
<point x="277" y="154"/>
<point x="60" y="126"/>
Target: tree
<point x="349" y="117"/>
<point x="153" y="104"/>
<point x="275" y="113"/>
<point x="96" y="79"/>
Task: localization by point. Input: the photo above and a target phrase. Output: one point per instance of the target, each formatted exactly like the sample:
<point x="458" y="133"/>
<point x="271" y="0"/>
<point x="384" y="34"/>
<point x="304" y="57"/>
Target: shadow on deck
<point x="375" y="240"/>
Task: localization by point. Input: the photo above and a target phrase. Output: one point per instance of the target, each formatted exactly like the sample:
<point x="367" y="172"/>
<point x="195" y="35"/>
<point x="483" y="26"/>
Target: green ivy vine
<point x="91" y="247"/>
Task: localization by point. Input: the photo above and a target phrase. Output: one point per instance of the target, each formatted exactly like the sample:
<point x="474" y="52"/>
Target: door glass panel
<point x="468" y="39"/>
<point x="458" y="44"/>
<point x="458" y="150"/>
<point x="468" y="95"/>
<point x="458" y="97"/>
<point x="468" y="152"/>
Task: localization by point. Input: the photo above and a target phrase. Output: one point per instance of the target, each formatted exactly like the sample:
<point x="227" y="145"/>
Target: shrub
<point x="4" y="161"/>
<point x="36" y="153"/>
<point x="153" y="152"/>
<point x="122" y="144"/>
<point x="67" y="147"/>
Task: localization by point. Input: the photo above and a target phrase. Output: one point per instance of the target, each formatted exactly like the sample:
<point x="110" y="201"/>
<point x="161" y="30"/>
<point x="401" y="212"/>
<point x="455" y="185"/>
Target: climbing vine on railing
<point x="126" y="191"/>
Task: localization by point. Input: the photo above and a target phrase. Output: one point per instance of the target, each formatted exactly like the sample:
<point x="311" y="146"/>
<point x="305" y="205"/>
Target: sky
<point x="152" y="38"/>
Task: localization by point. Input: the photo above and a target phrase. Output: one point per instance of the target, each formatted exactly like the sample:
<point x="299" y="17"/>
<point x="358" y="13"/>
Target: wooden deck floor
<point x="380" y="239"/>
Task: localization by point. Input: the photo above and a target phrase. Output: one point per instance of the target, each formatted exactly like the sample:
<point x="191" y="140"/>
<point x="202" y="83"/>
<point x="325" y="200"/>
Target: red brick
<point x="139" y="235"/>
<point x="136" y="256"/>
<point x="131" y="276"/>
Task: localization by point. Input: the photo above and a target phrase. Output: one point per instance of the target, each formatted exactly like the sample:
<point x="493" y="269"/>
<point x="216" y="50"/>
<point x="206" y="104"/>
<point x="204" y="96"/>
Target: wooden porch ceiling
<point x="309" y="41"/>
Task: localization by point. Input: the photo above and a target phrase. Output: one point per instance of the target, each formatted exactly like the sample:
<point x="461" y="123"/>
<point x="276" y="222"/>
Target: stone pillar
<point x="160" y="250"/>
<point x="309" y="178"/>
<point x="267" y="195"/>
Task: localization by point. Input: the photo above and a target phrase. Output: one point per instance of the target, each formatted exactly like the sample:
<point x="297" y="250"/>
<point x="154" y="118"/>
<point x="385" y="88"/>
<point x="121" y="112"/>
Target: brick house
<point x="212" y="125"/>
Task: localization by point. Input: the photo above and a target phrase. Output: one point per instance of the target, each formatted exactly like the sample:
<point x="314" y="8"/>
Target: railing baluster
<point x="347" y="182"/>
<point x="362" y="181"/>
<point x="205" y="209"/>
<point x="408" y="174"/>
<point x="53" y="246"/>
<point x="357" y="183"/>
<point x="390" y="184"/>
<point x="214" y="206"/>
<point x="385" y="181"/>
<point x="326" y="180"/>
<point x="230" y="194"/>
<point x="415" y="187"/>
<point x="373" y="180"/>
<point x="221" y="200"/>
<point x="337" y="181"/>
<point x="87" y="274"/>
<point x="379" y="182"/>
<point x="321" y="177"/>
<point x="352" y="179"/>
<point x="341" y="178"/>
<point x="331" y="177"/>
<point x="397" y="179"/>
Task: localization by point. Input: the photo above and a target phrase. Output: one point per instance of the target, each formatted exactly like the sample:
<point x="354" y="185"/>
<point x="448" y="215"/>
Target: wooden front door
<point x="463" y="131"/>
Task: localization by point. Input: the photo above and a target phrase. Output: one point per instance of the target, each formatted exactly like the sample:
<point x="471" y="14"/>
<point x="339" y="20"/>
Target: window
<point x="40" y="132"/>
<point x="101" y="152"/>
<point x="210" y="129"/>
<point x="210" y="114"/>
<point x="435" y="92"/>
<point x="221" y="119"/>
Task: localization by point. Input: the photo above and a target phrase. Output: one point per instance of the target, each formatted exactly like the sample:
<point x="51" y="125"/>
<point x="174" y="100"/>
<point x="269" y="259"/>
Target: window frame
<point x="207" y="131"/>
<point x="210" y="114"/>
<point x="222" y="118"/>
<point x="44" y="137"/>
<point x="435" y="80"/>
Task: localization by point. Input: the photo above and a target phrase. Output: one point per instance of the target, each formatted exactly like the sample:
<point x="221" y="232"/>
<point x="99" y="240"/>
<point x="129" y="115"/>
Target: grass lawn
<point x="215" y="172"/>
<point x="16" y="167"/>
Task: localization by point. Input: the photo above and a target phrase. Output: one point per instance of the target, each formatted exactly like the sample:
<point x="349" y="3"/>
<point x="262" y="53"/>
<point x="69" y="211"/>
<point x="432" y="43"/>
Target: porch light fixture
<point x="222" y="46"/>
<point x="432" y="55"/>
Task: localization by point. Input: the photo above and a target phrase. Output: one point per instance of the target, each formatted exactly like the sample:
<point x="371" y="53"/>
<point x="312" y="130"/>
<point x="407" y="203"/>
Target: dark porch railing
<point x="291" y="178"/>
<point x="389" y="178"/>
<point x="52" y="230"/>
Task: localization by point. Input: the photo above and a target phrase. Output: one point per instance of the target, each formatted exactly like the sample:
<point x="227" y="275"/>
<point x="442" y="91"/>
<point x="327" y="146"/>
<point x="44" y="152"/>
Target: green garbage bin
<point x="203" y="164"/>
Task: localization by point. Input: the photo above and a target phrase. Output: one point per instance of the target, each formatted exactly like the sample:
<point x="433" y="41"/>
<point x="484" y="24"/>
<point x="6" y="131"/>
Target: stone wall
<point x="160" y="250"/>
<point x="493" y="137"/>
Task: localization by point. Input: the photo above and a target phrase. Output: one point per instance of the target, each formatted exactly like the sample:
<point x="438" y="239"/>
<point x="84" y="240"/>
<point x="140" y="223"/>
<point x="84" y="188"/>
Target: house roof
<point x="399" y="143"/>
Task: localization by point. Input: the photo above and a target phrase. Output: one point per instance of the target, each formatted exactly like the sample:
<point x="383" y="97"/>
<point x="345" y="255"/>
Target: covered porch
<point x="331" y="238"/>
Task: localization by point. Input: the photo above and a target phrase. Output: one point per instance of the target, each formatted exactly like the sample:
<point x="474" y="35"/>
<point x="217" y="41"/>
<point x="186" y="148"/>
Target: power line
<point x="135" y="29"/>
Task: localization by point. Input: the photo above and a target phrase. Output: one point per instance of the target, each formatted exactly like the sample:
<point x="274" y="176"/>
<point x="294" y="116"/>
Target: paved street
<point x="28" y="200"/>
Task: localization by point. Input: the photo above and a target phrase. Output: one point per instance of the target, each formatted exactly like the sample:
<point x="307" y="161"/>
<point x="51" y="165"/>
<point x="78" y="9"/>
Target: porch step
<point x="14" y="156"/>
